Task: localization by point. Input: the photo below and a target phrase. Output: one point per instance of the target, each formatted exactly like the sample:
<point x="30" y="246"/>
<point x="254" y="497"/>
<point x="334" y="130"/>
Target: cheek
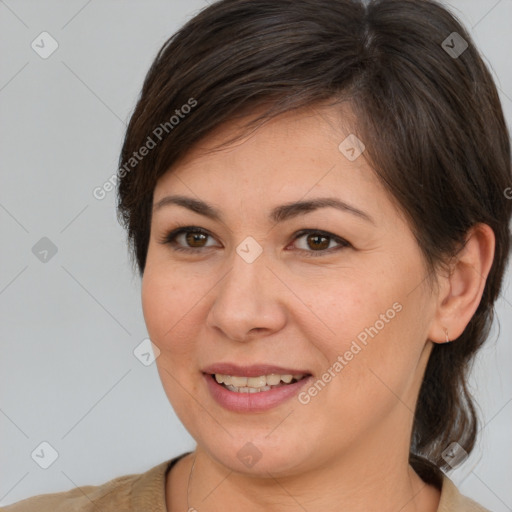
<point x="382" y="370"/>
<point x="168" y="307"/>
<point x="168" y="310"/>
<point x="372" y="324"/>
<point x="343" y="306"/>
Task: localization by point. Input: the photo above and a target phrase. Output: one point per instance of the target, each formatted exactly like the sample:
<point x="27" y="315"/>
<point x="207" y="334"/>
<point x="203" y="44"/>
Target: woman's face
<point x="347" y="305"/>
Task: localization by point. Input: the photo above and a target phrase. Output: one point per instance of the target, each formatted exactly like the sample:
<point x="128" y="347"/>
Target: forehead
<point x="322" y="122"/>
<point x="297" y="155"/>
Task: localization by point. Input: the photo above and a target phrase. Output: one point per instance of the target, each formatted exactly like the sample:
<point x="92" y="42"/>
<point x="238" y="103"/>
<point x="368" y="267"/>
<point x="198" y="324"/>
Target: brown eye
<point x="187" y="239"/>
<point x="192" y="240"/>
<point x="317" y="242"/>
<point x="195" y="239"/>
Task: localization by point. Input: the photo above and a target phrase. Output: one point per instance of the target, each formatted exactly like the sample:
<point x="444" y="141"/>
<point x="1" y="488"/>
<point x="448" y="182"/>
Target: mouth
<point x="259" y="384"/>
<point x="257" y="388"/>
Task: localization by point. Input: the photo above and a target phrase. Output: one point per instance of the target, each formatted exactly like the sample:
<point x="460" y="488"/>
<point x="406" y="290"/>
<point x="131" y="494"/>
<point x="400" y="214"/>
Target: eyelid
<point x="170" y="239"/>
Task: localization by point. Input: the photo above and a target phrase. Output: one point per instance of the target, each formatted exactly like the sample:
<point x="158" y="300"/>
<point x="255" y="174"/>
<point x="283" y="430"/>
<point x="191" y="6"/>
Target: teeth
<point x="273" y="379"/>
<point x="238" y="382"/>
<point x="249" y="390"/>
<point x="255" y="384"/>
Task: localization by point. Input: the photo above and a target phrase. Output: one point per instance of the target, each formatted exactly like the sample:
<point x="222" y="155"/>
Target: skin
<point x="350" y="444"/>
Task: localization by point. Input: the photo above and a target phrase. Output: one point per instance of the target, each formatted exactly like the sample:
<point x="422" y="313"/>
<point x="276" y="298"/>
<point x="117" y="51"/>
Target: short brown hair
<point x="432" y="123"/>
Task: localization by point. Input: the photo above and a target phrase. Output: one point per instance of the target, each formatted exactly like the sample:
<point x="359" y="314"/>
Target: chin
<point x="257" y="455"/>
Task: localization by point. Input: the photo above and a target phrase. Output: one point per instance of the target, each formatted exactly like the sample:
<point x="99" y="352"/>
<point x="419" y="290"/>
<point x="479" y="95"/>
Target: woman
<point x="314" y="193"/>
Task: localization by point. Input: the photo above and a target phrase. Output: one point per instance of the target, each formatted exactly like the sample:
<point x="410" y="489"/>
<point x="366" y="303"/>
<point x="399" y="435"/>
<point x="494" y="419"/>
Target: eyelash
<point x="170" y="238"/>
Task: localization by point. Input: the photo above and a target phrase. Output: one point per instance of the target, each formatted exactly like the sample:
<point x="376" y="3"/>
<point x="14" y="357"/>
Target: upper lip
<point x="254" y="370"/>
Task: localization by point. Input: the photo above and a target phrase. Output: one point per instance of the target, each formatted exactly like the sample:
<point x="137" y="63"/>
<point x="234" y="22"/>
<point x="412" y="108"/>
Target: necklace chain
<point x="189" y="479"/>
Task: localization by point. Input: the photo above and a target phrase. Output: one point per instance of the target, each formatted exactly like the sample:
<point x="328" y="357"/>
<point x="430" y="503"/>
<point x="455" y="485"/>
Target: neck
<point x="364" y="487"/>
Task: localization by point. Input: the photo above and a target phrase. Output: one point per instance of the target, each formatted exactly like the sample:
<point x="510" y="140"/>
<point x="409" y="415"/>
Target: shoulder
<point x="124" y="493"/>
<point x="453" y="501"/>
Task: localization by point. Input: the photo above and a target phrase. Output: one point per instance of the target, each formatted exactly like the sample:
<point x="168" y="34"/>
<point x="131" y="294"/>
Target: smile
<point x="256" y="384"/>
<point x="242" y="394"/>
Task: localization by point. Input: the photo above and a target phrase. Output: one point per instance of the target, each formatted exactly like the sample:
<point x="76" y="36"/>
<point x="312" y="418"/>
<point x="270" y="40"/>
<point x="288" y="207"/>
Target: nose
<point x="248" y="301"/>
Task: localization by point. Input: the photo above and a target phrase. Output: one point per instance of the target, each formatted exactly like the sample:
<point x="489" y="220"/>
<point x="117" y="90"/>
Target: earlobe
<point x="465" y="285"/>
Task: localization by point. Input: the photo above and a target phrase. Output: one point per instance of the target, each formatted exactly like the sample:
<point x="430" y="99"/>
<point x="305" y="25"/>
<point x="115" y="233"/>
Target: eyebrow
<point x="278" y="214"/>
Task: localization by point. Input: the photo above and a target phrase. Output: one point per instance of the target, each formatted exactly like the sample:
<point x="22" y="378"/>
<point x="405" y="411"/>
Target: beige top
<point x="145" y="492"/>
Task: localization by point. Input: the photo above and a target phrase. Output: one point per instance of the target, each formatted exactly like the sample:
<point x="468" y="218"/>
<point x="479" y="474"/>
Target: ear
<point x="461" y="291"/>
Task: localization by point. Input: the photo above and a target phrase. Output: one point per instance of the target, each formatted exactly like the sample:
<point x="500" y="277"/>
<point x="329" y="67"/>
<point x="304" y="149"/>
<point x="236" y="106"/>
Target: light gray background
<point x="69" y="326"/>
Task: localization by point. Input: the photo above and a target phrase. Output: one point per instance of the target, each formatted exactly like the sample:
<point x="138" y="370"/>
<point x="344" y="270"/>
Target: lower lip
<point x="252" y="402"/>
